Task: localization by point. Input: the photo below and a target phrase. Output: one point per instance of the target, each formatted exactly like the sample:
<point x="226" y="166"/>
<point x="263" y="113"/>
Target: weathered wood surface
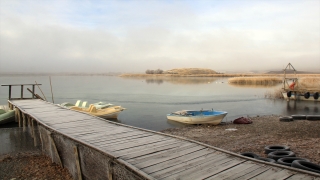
<point x="158" y="156"/>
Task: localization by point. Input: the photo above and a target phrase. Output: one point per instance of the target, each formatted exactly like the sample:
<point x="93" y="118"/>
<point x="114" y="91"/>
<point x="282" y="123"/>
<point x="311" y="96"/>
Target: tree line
<point x="157" y="71"/>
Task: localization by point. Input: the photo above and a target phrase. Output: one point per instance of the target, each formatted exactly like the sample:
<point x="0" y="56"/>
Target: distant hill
<point x="190" y="71"/>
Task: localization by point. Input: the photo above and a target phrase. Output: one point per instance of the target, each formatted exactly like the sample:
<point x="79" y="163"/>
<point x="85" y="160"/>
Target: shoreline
<point x="302" y="136"/>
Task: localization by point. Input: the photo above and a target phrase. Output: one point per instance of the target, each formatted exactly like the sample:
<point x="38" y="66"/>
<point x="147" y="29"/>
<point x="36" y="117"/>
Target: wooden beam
<point x="24" y="122"/>
<point x="35" y="141"/>
<point x="110" y="170"/>
<point x="76" y="154"/>
<point x="53" y="145"/>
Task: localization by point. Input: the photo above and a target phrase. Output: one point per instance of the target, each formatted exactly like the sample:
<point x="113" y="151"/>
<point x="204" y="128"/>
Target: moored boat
<point x="100" y="109"/>
<point x="106" y="113"/>
<point x="6" y="115"/>
<point x="198" y="117"/>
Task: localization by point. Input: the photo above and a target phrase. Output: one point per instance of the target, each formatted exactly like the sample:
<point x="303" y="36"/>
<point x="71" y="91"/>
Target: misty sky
<point x="133" y="36"/>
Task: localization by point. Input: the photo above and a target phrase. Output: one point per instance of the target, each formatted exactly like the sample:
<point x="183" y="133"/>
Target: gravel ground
<point x="302" y="136"/>
<point x="31" y="166"/>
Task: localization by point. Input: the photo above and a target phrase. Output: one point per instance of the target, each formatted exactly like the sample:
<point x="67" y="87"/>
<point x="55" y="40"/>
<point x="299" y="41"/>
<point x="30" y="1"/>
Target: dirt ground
<point x="31" y="166"/>
<point x="302" y="136"/>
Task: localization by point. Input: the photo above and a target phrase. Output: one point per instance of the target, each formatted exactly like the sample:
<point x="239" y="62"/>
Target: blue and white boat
<point x="198" y="117"/>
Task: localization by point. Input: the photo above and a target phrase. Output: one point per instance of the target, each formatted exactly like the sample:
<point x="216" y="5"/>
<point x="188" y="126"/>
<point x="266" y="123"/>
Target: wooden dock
<point x="93" y="148"/>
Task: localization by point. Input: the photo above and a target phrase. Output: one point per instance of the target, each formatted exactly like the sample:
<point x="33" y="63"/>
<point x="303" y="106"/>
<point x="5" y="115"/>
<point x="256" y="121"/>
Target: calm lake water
<point x="149" y="100"/>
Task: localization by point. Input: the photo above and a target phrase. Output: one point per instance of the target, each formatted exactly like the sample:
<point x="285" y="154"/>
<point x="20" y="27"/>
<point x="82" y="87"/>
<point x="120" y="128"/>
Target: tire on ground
<point x="286" y="119"/>
<point x="287" y="161"/>
<point x="289" y="94"/>
<point x="298" y="117"/>
<point x="306" y="166"/>
<point x="250" y="155"/>
<point x="313" y="117"/>
<point x="272" y="148"/>
<point x="280" y="154"/>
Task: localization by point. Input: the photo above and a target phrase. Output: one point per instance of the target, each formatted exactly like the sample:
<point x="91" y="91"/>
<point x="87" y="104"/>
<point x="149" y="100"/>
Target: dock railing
<point x="34" y="96"/>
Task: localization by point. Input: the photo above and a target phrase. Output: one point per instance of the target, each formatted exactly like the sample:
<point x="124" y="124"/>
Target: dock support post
<point x="110" y="170"/>
<point x="53" y="145"/>
<point x="24" y="122"/>
<point x="76" y="154"/>
<point x="19" y="117"/>
<point x="29" y="124"/>
<point x="16" y="116"/>
<point x="35" y="141"/>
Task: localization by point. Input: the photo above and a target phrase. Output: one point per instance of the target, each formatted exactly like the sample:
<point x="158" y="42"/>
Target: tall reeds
<point x="309" y="82"/>
<point x="255" y="80"/>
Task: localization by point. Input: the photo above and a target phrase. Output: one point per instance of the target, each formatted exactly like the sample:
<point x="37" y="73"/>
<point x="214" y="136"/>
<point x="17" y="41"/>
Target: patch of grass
<point x="255" y="80"/>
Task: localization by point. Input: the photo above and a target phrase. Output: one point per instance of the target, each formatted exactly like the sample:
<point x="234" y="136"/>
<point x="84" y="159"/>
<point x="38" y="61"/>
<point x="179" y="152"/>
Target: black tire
<point x="287" y="161"/>
<point x="286" y="119"/>
<point x="250" y="155"/>
<point x="280" y="154"/>
<point x="316" y="95"/>
<point x="299" y="117"/>
<point x="306" y="166"/>
<point x="289" y="94"/>
<point x="307" y="95"/>
<point x="272" y="148"/>
<point x="313" y="117"/>
<point x="266" y="159"/>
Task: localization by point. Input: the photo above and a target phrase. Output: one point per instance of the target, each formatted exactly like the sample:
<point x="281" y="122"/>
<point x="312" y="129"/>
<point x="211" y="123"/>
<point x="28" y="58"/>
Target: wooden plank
<point x="233" y="171"/>
<point x="133" y="143"/>
<point x="169" y="157"/>
<point x="112" y="132"/>
<point x="189" y="164"/>
<point x="154" y="149"/>
<point x="82" y="123"/>
<point x="256" y="172"/>
<point x="103" y="136"/>
<point x="212" y="169"/>
<point x="300" y="177"/>
<point x="147" y="146"/>
<point x="153" y="157"/>
<point x="121" y="139"/>
<point x="177" y="161"/>
<point x="274" y="173"/>
<point x="189" y="170"/>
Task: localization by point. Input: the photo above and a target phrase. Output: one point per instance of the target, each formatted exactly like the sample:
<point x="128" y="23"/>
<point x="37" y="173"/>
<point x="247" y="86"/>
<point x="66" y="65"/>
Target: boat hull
<point x="205" y="119"/>
<point x="299" y="97"/>
<point x="7" y="117"/>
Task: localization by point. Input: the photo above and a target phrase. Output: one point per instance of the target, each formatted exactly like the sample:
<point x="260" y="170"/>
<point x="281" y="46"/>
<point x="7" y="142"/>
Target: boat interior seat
<point x="92" y="108"/>
<point x="78" y="103"/>
<point x="84" y="104"/>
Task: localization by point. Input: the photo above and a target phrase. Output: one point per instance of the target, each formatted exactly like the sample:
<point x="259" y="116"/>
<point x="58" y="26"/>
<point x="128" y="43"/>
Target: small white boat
<point x="198" y="117"/>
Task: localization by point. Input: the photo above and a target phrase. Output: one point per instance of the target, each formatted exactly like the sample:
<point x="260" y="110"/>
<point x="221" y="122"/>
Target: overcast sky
<point x="133" y="36"/>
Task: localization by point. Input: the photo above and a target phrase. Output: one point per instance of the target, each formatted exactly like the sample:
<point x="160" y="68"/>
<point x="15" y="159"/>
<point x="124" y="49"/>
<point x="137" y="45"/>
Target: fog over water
<point x="132" y="36"/>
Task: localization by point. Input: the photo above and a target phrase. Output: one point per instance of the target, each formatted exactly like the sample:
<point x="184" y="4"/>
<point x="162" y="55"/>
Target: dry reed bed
<point x="255" y="80"/>
<point x="309" y="82"/>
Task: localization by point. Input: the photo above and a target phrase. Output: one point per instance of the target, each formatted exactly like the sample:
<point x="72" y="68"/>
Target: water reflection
<point x="302" y="107"/>
<point x="175" y="80"/>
